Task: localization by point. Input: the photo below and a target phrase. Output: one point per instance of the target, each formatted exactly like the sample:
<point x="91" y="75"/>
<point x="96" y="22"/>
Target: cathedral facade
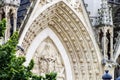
<point x="78" y="39"/>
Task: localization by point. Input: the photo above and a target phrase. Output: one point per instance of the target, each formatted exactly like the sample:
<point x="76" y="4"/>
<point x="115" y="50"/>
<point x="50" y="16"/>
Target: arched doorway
<point x="75" y="38"/>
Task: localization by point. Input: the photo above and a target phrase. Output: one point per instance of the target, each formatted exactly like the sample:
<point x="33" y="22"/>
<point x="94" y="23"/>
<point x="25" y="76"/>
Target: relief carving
<point x="47" y="59"/>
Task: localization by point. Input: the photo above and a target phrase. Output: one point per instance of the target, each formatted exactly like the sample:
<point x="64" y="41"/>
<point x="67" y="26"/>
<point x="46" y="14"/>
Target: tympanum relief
<point x="48" y="59"/>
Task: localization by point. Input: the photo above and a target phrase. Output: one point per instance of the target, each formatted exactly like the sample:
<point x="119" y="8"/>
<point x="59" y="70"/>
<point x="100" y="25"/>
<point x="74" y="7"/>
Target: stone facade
<point x="70" y="25"/>
<point x="59" y="36"/>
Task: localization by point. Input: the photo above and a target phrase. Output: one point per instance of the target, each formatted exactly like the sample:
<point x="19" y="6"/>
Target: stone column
<point x="15" y="22"/>
<point x="104" y="44"/>
<point x="0" y="14"/>
<point x="111" y="44"/>
<point x="7" y="31"/>
<point x="6" y="8"/>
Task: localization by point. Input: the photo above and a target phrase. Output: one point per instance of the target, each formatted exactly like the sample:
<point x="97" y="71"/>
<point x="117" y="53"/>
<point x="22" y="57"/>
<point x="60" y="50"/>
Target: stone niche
<point x="48" y="59"/>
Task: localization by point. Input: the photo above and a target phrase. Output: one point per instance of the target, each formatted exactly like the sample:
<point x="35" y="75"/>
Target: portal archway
<point x="81" y="48"/>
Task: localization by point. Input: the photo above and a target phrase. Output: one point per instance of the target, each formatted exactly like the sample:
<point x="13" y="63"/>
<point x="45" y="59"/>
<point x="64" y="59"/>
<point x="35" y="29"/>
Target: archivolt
<point x="74" y="36"/>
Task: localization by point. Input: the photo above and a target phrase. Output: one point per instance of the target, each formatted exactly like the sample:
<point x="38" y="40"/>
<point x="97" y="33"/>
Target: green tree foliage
<point x="2" y="27"/>
<point x="11" y="67"/>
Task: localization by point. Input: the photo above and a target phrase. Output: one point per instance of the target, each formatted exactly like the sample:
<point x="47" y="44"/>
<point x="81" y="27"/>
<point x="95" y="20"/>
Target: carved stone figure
<point x="47" y="59"/>
<point x="106" y="45"/>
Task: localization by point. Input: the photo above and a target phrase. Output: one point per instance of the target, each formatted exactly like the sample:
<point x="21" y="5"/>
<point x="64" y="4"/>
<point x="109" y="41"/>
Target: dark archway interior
<point x="100" y="37"/>
<point x="11" y="15"/>
<point x="3" y="14"/>
<point x="108" y="45"/>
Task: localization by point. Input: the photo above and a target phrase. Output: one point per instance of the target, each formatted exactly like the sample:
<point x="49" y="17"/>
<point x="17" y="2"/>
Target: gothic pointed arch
<point x="41" y="39"/>
<point x="73" y="33"/>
